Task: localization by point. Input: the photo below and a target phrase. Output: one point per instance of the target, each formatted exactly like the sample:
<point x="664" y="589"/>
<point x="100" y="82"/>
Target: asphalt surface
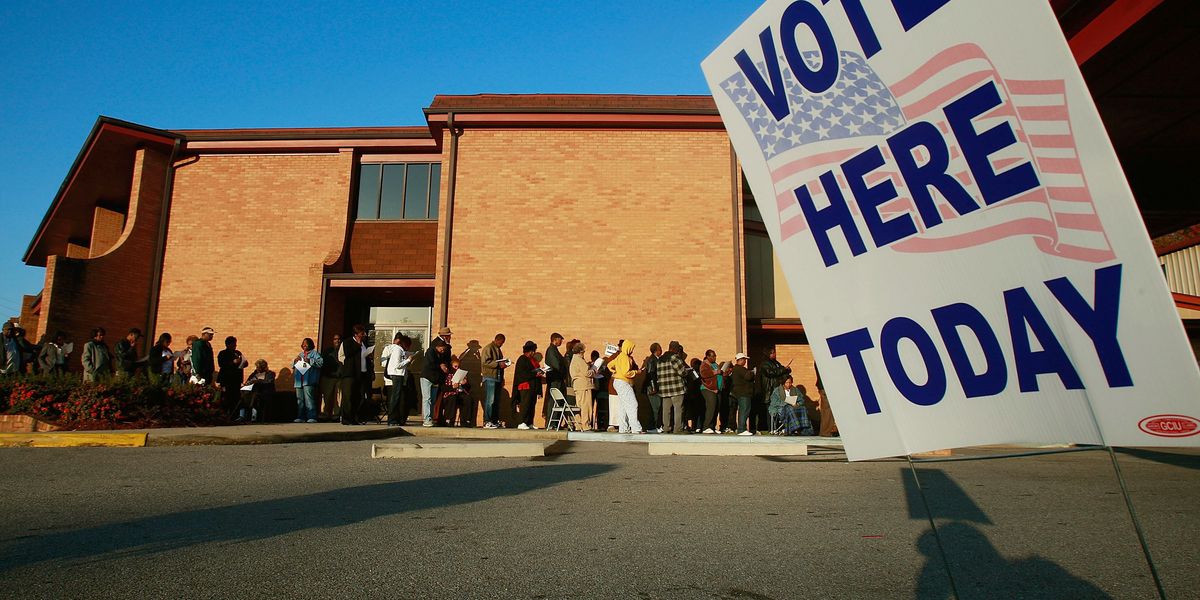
<point x="601" y="521"/>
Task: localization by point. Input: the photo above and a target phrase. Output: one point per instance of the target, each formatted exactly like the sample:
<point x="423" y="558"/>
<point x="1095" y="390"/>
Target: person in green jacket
<point x="202" y="356"/>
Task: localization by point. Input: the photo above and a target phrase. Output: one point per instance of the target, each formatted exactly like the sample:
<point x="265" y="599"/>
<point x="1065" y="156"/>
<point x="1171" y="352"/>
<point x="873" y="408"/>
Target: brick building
<point x="601" y="217"/>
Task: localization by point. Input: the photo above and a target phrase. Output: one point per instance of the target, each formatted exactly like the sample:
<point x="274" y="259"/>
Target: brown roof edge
<point x="102" y="123"/>
<point x="1177" y="240"/>
<point x="305" y="133"/>
<point x="574" y="103"/>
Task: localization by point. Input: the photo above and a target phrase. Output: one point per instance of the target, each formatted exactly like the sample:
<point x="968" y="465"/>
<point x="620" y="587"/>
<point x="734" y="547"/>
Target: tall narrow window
<point x="368" y="192"/>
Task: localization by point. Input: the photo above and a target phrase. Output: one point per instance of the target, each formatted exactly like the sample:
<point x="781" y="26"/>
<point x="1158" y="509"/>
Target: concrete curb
<point x="250" y="439"/>
<point x="73" y="440"/>
<point x="483" y="434"/>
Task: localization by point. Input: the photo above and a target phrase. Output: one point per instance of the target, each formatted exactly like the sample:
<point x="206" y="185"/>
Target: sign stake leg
<point x="1137" y="524"/>
<point x="932" y="525"/>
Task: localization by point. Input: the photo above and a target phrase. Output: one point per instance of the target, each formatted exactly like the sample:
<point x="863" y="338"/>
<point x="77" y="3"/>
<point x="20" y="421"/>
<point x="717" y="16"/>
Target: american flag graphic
<point x="860" y="111"/>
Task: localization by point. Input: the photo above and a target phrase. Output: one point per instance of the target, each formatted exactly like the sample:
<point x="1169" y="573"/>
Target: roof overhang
<point x="109" y="149"/>
<point x="609" y="111"/>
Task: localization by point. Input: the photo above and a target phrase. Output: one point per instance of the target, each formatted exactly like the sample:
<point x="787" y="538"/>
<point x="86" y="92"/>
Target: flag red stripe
<point x="788" y="169"/>
<point x="1026" y="226"/>
<point x="1043" y="113"/>
<point x="942" y="60"/>
<point x="1070" y="194"/>
<point x="1060" y="166"/>
<point x="1042" y="86"/>
<point x="1082" y="222"/>
<point x="1052" y="141"/>
<point x="937" y="98"/>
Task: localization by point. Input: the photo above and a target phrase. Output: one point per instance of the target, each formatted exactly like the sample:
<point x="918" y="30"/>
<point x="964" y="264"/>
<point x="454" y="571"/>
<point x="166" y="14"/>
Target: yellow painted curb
<point x="71" y="440"/>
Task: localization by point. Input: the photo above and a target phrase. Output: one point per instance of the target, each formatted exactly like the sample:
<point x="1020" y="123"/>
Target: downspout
<point x="160" y="246"/>
<point x="739" y="321"/>
<point x="444" y="309"/>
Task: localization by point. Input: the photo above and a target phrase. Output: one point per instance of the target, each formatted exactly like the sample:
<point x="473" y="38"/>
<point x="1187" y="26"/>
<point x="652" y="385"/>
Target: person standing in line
<point x="742" y="392"/>
<point x="97" y="360"/>
<point x="768" y="376"/>
<point x="396" y="359"/>
<point x="28" y="351"/>
<point x="183" y="364"/>
<point x="307" y="383"/>
<point x="493" y="379"/>
<point x="600" y="395"/>
<point x="454" y="398"/>
<point x="437" y="366"/>
<point x="203" y="365"/>
<point x="232" y="370"/>
<point x="710" y="386"/>
<point x="671" y="385"/>
<point x="331" y="382"/>
<point x="53" y="358"/>
<point x="650" y="388"/>
<point x="583" y="383"/>
<point x="10" y="354"/>
<point x="693" y="400"/>
<point x="624" y="370"/>
<point x="527" y="382"/>
<point x="161" y="359"/>
<point x="726" y="405"/>
<point x="125" y="353"/>
<point x="557" y="375"/>
<point x="355" y="362"/>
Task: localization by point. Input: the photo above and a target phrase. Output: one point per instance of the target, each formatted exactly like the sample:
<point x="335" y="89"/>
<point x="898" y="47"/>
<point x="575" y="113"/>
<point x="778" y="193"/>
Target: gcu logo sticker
<point x="1170" y="425"/>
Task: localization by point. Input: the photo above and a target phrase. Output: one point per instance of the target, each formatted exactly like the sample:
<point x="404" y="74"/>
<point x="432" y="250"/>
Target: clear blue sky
<point x="250" y="64"/>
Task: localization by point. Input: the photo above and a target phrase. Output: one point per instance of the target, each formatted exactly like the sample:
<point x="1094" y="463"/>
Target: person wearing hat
<point x="203" y="364"/>
<point x="742" y="391"/>
<point x="433" y="372"/>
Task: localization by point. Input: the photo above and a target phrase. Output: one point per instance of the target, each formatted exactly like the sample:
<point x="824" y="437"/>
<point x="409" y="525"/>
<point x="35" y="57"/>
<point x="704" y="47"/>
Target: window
<point x="399" y="191"/>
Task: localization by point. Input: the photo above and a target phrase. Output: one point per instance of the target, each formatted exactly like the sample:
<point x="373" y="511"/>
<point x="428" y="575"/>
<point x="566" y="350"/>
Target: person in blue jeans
<point x="437" y="366"/>
<point x="742" y="391"/>
<point x="310" y="361"/>
<point x="492" y="371"/>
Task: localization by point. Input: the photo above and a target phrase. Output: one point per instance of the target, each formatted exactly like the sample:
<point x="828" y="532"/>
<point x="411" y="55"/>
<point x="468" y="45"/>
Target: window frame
<point x="430" y="191"/>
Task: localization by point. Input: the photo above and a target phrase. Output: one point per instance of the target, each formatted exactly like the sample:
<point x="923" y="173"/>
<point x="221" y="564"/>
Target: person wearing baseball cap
<point x="742" y="391"/>
<point x="10" y="354"/>
<point x="203" y="363"/>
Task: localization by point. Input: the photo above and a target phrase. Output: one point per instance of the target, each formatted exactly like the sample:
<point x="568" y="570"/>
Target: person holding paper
<point x="492" y="371"/>
<point x="258" y="387"/>
<point x="53" y="356"/>
<point x="455" y="395"/>
<point x="624" y="370"/>
<point x="161" y="359"/>
<point x="396" y="359"/>
<point x="583" y="383"/>
<point x="232" y="367"/>
<point x="768" y="376"/>
<point x="527" y="381"/>
<point x="202" y="356"/>
<point x="787" y="405"/>
<point x="306" y="379"/>
<point x="353" y="356"/>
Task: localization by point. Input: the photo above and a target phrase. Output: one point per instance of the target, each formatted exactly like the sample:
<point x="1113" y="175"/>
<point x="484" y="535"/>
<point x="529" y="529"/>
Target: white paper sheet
<point x="459" y="376"/>
<point x="302" y="367"/>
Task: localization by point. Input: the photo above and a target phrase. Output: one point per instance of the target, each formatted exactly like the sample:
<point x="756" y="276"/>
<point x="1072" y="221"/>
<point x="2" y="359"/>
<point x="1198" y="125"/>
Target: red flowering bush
<point x="115" y="404"/>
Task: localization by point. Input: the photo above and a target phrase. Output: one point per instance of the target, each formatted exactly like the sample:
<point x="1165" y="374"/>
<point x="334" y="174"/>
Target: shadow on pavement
<point x="980" y="571"/>
<point x="269" y="518"/>
<point x="1175" y="459"/>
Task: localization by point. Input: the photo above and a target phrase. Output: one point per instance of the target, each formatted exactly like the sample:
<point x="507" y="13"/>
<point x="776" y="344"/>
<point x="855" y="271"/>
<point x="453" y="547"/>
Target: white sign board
<point x="958" y="235"/>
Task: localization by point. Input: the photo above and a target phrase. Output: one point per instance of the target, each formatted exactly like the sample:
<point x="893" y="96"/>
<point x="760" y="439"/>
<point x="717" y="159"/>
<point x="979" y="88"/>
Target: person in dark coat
<point x="125" y="353"/>
<point x="355" y="363"/>
<point x="527" y="382"/>
<point x="435" y="369"/>
<point x="331" y="383"/>
<point x="556" y="377"/>
<point x="202" y="356"/>
<point x="232" y="367"/>
<point x="768" y="376"/>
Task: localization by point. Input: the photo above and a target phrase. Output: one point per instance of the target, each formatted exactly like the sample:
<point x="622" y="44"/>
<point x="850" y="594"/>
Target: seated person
<point x="454" y="398"/>
<point x="787" y="404"/>
<point x="262" y="384"/>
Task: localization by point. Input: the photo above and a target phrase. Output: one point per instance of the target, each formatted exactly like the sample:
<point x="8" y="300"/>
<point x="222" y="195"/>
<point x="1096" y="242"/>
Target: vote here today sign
<point x="961" y="243"/>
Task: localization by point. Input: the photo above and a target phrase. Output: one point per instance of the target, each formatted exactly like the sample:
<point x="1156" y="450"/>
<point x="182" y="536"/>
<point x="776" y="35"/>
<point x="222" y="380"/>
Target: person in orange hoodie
<point x="623" y="372"/>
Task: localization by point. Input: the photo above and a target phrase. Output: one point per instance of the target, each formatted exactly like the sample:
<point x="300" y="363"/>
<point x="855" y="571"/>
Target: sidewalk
<point x="298" y="433"/>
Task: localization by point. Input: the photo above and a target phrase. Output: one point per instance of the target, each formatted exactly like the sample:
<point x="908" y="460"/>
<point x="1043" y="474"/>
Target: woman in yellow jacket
<point x="623" y="372"/>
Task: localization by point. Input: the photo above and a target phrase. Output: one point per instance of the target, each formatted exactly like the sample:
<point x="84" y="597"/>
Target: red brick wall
<point x="112" y="289"/>
<point x="392" y="247"/>
<point x="247" y="245"/>
<point x="595" y="234"/>
<point x="29" y="319"/>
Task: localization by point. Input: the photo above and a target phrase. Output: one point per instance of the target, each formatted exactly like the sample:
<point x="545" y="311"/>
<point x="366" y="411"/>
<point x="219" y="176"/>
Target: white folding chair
<point x="562" y="412"/>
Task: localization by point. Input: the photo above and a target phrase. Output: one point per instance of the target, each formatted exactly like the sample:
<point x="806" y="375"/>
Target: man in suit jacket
<point x="355" y="362"/>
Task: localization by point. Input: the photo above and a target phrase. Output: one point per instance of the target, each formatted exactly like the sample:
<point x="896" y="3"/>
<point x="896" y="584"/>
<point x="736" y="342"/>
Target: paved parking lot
<point x="601" y="521"/>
